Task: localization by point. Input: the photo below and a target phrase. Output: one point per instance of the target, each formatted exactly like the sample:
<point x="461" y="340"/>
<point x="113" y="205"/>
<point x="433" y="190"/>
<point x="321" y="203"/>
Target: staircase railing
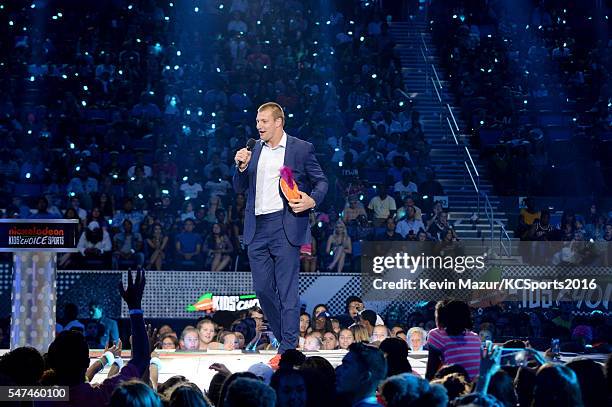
<point x="468" y="162"/>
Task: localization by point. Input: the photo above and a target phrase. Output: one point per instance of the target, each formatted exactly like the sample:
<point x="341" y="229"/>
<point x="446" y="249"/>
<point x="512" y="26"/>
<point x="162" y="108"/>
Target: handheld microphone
<point x="249" y="146"/>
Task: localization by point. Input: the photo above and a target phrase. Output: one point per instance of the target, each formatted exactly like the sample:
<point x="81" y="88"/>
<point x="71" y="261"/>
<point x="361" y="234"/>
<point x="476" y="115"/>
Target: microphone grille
<point x="250" y="144"/>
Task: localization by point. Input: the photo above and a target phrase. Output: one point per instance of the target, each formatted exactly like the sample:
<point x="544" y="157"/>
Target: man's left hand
<point x="304" y="203"/>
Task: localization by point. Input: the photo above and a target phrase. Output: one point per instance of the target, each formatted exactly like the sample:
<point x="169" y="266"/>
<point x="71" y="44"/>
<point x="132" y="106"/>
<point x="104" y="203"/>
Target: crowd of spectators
<point x="127" y="117"/>
<point x="463" y="367"/>
<point x="533" y="83"/>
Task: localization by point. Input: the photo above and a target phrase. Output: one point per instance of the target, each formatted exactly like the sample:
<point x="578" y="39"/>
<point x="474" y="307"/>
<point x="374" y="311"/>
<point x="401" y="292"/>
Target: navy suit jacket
<point x="300" y="157"/>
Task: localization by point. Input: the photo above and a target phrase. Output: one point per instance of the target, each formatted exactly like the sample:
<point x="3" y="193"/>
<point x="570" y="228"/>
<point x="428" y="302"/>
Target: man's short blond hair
<point x="275" y="108"/>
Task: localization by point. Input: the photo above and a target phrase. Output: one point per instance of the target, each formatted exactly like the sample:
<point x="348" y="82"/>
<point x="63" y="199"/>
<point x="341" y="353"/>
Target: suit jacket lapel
<point x="255" y="162"/>
<point x="288" y="161"/>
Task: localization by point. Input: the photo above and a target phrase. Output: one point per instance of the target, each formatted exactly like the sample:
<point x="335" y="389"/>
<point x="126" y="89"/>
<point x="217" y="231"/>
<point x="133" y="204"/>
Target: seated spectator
<point x="75" y="204"/>
<point x="528" y="215"/>
<point x="156" y="246"/>
<point x="381" y="206"/>
<point x="396" y="353"/>
<point x="188" y="247"/>
<point x="409" y="224"/>
<point x="361" y="371"/>
<point x="83" y="186"/>
<point x="405" y="187"/>
<point x="220" y="248"/>
<point x="339" y="245"/>
<point x="409" y="390"/>
<point x="94" y="247"/>
<point x="217" y="185"/>
<point x="216" y="164"/>
<point x="127" y="247"/>
<point x="452" y="341"/>
<point x="416" y="338"/>
<point x="390" y="234"/>
<point x="438" y="226"/>
<point x="353" y="210"/>
<point x="128" y="212"/>
<point x="42" y="212"/>
<point x="190" y="188"/>
<point x="187" y="212"/>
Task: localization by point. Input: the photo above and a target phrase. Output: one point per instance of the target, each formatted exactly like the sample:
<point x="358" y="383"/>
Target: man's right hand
<point x="243" y="156"/>
<point x="135" y="289"/>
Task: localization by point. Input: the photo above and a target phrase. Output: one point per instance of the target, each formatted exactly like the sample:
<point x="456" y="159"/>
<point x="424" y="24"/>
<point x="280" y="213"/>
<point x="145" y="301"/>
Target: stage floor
<point x="195" y="365"/>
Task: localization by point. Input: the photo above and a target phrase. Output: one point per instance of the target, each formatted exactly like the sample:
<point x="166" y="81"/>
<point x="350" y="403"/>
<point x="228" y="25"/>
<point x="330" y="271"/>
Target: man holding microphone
<point x="275" y="227"/>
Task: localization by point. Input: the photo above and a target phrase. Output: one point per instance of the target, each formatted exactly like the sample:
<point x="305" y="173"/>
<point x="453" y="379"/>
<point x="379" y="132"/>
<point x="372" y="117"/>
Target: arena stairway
<point x="414" y="46"/>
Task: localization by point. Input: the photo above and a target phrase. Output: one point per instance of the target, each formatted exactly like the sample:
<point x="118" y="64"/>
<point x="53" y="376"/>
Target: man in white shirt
<point x="275" y="227"/>
<point x="409" y="223"/>
<point x="405" y="187"/>
<point x="381" y="207"/>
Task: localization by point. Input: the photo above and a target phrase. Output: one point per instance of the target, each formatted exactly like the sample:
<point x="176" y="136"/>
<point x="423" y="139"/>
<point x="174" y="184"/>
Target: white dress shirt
<point x="267" y="194"/>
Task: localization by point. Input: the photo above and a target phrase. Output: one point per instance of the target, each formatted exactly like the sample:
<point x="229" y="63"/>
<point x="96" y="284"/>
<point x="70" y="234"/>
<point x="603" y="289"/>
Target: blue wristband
<point x="136" y="312"/>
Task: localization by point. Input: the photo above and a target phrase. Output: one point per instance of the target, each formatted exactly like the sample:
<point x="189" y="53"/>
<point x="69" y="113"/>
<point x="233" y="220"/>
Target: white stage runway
<point x="195" y="365"/>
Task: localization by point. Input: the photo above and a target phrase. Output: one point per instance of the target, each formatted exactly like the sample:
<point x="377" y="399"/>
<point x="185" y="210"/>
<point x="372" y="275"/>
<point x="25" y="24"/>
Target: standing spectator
<point x="361" y="371"/>
<point x="453" y="341"/>
<point x="188" y="246"/>
<point x="127" y="246"/>
<point x="381" y="207"/>
<point x="108" y="330"/>
<point x="68" y="355"/>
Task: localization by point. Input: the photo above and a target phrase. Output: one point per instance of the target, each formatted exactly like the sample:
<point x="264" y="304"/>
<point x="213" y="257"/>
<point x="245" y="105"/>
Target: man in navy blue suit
<point x="275" y="228"/>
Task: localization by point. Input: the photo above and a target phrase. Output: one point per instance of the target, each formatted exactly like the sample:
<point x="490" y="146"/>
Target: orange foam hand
<point x="288" y="184"/>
